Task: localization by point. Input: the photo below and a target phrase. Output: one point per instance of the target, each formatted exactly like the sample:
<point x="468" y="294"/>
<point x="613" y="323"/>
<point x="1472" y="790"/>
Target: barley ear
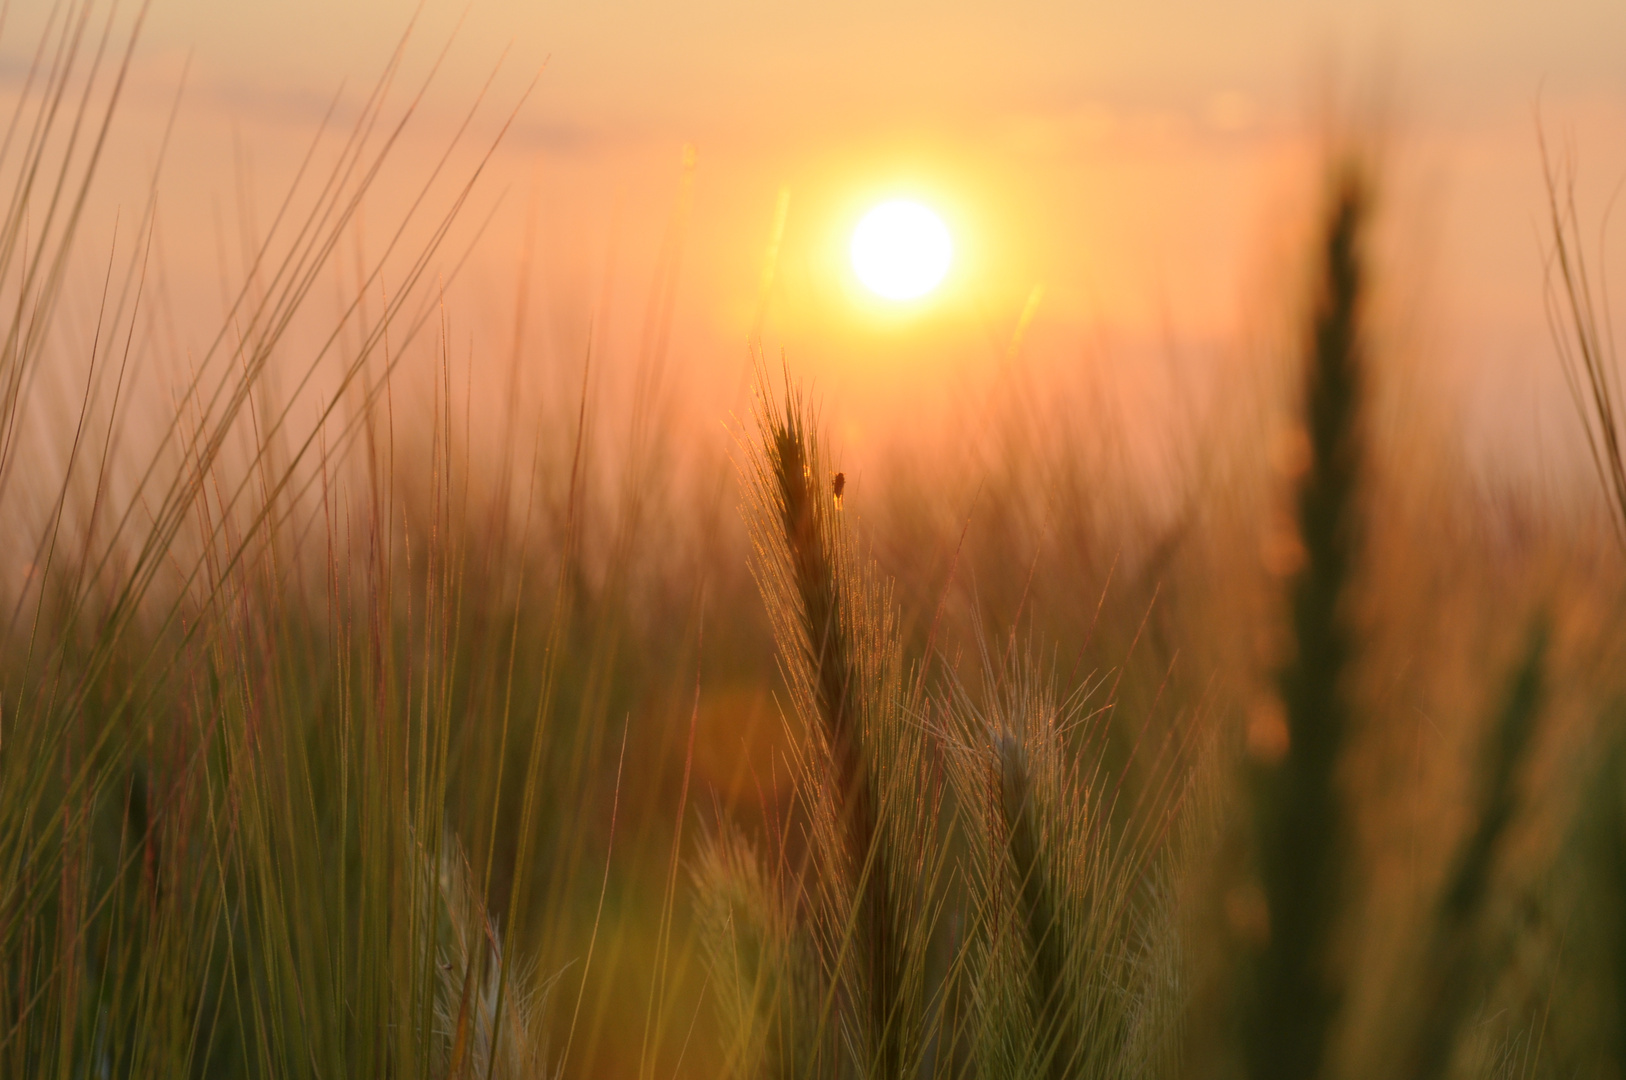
<point x="1300" y="820"/>
<point x="870" y="786"/>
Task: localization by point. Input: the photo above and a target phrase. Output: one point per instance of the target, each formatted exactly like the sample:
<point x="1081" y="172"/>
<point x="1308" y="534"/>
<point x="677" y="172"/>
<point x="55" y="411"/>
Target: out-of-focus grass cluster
<point x="328" y="747"/>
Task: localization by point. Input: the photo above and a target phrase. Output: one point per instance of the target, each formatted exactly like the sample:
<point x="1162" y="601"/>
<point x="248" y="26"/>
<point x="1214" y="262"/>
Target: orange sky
<point x="1131" y="170"/>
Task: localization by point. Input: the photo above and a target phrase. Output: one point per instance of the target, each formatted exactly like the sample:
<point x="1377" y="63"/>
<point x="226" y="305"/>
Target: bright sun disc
<point x="901" y="250"/>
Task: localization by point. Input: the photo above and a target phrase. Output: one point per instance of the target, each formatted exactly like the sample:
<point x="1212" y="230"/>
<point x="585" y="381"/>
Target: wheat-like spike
<point x="1060" y="978"/>
<point x="864" y="768"/>
<point x="1300" y="818"/>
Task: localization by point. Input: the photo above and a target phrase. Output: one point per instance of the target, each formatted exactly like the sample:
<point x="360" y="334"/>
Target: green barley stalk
<point x="1300" y="821"/>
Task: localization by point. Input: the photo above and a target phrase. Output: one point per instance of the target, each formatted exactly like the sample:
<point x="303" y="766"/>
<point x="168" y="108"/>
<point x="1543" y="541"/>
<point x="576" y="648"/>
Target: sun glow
<point x="901" y="250"/>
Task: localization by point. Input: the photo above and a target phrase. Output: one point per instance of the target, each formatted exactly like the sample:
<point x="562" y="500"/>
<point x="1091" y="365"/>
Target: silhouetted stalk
<point x="830" y="653"/>
<point x="1300" y="820"/>
<point x="828" y="647"/>
<point x="873" y="798"/>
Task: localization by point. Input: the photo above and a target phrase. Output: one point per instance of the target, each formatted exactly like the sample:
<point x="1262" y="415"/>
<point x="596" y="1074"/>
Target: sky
<point x="1124" y="182"/>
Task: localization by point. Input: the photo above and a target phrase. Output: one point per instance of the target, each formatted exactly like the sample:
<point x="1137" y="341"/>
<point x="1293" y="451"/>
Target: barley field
<point x="371" y="706"/>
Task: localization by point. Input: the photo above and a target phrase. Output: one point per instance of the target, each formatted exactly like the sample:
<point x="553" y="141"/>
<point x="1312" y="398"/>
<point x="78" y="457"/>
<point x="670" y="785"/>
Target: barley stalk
<point x="1300" y="820"/>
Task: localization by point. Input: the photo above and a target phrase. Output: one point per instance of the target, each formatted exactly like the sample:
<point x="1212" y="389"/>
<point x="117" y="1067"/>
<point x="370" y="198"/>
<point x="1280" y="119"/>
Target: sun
<point x="901" y="250"/>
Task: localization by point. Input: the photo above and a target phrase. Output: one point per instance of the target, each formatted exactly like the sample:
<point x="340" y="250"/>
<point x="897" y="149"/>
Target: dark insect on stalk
<point x="838" y="485"/>
<point x="1300" y="828"/>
